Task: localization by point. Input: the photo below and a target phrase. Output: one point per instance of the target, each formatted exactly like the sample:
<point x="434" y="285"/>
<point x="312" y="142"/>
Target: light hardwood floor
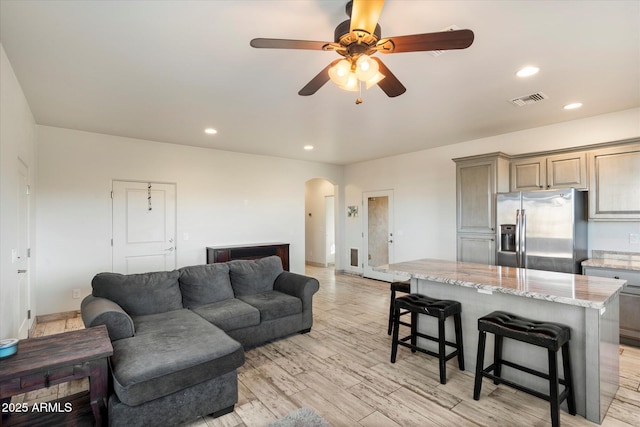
<point x="341" y="369"/>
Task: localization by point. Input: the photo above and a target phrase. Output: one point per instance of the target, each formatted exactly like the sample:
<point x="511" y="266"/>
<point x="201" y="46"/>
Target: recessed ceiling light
<point x="308" y="147"/>
<point x="210" y="131"/>
<point x="573" y="106"/>
<point x="528" y="71"/>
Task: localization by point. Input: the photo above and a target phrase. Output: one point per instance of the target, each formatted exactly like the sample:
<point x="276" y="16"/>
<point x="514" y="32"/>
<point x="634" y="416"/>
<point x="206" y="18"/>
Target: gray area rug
<point x="303" y="417"/>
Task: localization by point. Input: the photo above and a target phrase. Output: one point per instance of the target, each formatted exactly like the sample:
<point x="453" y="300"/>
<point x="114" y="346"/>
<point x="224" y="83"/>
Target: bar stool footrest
<point x="486" y="372"/>
<point x="425" y="351"/>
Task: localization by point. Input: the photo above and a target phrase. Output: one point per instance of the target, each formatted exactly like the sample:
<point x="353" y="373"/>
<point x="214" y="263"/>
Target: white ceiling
<point x="165" y="70"/>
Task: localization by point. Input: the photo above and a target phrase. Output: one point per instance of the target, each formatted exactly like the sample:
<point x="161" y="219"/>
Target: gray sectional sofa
<point x="179" y="336"/>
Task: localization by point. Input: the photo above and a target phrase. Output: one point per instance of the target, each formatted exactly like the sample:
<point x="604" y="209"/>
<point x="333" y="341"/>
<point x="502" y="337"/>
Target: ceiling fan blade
<point x="287" y="44"/>
<point x="444" y="40"/>
<point x="318" y="81"/>
<point x="390" y="84"/>
<point x="365" y="15"/>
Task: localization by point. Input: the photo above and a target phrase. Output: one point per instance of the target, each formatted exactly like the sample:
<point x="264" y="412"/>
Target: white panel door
<point x="144" y="227"/>
<point x="330" y="230"/>
<point x="377" y="233"/>
<point x="22" y="252"/>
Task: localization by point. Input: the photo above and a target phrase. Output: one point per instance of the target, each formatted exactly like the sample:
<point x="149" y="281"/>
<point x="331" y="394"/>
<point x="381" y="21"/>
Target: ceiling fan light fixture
<point x="375" y="79"/>
<point x="366" y="68"/>
<point x="351" y="84"/>
<point x="339" y="73"/>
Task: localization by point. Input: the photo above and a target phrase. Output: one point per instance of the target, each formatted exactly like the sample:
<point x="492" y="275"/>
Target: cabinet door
<point x="477" y="248"/>
<point x="476" y="183"/>
<point x="632" y="277"/>
<point x="629" y="303"/>
<point x="614" y="183"/>
<point x="567" y="171"/>
<point x="528" y="174"/>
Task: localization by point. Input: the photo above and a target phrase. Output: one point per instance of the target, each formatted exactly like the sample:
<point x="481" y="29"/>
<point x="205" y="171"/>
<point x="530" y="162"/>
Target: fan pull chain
<point x="149" y="196"/>
<point x="359" y="100"/>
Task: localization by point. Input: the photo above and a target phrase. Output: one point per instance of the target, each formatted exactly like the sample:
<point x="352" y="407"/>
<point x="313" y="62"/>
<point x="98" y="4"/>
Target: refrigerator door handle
<point x="523" y="236"/>
<point x="518" y="238"/>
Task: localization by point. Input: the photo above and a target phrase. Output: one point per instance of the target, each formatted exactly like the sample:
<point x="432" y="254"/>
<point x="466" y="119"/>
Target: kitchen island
<point x="589" y="305"/>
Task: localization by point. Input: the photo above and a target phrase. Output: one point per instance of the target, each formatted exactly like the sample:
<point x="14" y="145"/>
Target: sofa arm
<point x="102" y="311"/>
<point x="297" y="285"/>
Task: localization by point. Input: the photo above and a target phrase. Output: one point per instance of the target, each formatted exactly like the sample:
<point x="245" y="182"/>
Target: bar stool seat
<point x="403" y="287"/>
<point x="552" y="336"/>
<point x="440" y="309"/>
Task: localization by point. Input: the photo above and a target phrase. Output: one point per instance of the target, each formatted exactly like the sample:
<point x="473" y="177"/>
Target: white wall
<point x="424" y="186"/>
<point x="316" y="191"/>
<point x="17" y="141"/>
<point x="223" y="198"/>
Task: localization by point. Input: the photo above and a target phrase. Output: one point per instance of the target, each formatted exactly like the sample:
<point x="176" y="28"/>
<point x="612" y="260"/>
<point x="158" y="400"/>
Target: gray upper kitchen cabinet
<point x="478" y="179"/>
<point x="614" y="183"/>
<point x="566" y="170"/>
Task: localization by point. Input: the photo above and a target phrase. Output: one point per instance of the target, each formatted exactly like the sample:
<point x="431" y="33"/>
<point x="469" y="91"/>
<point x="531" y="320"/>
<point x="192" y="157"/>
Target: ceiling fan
<point x="357" y="39"/>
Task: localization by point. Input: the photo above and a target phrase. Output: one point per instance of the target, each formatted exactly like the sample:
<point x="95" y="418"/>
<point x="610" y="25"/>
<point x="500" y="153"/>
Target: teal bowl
<point x="8" y="347"/>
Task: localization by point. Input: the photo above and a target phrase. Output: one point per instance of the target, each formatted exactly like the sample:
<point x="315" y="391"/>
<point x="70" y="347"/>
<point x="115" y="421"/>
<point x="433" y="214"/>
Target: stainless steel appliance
<point x="542" y="230"/>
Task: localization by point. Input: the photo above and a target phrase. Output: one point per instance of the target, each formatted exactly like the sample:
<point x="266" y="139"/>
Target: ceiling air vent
<point x="529" y="99"/>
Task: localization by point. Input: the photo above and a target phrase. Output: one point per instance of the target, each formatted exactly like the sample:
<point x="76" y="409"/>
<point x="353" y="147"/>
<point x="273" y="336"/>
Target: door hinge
<point x="28" y="252"/>
<point x="111" y="242"/>
<point x="112" y="195"/>
<point x="28" y="314"/>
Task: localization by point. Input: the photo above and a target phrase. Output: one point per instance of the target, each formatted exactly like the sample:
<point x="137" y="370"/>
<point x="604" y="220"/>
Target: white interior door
<point x="144" y="227"/>
<point x="22" y="254"/>
<point x="377" y="233"/>
<point x="330" y="230"/>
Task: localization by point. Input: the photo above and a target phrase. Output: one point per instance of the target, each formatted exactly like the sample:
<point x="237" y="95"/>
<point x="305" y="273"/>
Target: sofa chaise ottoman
<point x="179" y="336"/>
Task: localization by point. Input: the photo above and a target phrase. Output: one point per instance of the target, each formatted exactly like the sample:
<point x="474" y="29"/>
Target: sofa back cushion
<point x="250" y="277"/>
<point x="205" y="284"/>
<point x="140" y="294"/>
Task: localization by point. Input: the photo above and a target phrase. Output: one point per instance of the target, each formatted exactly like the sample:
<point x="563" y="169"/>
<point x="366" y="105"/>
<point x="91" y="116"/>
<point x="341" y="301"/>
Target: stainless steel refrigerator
<point x="542" y="230"/>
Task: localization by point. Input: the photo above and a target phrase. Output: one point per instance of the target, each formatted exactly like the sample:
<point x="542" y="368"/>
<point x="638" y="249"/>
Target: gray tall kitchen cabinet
<point x="478" y="180"/>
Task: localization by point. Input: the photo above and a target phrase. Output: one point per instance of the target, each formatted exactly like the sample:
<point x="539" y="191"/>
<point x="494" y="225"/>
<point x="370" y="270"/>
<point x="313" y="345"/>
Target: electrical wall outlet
<point x="634" y="238"/>
<point x="75" y="294"/>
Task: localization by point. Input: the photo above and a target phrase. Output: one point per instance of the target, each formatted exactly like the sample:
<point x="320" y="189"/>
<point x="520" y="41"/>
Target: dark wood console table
<point x="54" y="359"/>
<point x="249" y="251"/>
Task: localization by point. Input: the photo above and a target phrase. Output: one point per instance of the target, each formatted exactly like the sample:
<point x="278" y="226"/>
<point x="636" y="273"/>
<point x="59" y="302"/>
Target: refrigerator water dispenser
<point x="508" y="237"/>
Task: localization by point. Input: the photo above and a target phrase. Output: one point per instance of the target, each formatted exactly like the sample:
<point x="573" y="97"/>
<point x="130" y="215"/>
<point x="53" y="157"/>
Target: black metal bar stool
<point x="403" y="287"/>
<point x="441" y="309"/>
<point x="552" y="336"/>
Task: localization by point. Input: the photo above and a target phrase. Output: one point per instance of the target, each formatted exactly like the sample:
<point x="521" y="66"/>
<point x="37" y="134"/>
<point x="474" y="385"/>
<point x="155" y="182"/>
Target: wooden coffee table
<point x="54" y="359"/>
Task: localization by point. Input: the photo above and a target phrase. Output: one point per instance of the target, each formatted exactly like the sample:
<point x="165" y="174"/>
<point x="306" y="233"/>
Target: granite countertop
<point x="572" y="289"/>
<point x="613" y="259"/>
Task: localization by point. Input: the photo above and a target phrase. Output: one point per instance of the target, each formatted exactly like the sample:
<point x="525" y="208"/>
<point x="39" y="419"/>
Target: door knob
<point x="390" y="241"/>
<point x="169" y="249"/>
<point x="22" y="271"/>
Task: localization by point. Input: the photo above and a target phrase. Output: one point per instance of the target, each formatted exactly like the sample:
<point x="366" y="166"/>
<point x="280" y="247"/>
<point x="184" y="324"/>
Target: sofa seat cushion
<point x="274" y="304"/>
<point x="204" y="284"/>
<point x="140" y="294"/>
<point x="249" y="277"/>
<point x="229" y="314"/>
<point x="170" y="352"/>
